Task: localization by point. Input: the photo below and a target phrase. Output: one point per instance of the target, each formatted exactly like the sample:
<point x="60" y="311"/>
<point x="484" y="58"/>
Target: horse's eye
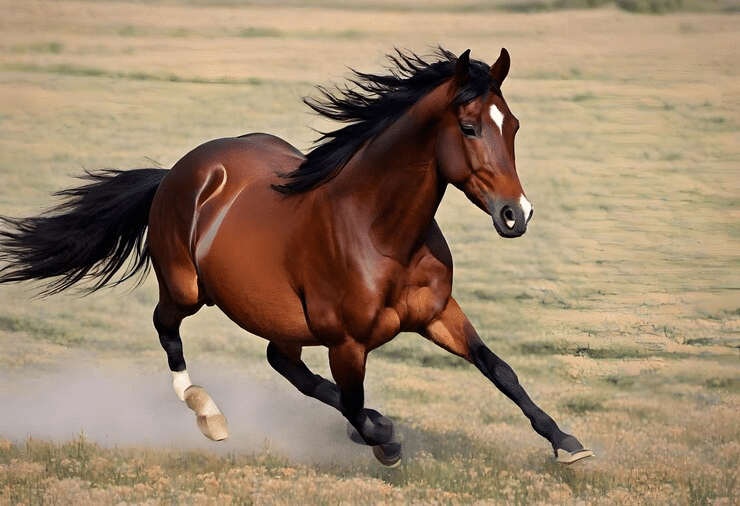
<point x="467" y="129"/>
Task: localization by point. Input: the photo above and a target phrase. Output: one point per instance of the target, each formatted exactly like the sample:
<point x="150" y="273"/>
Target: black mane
<point x="378" y="101"/>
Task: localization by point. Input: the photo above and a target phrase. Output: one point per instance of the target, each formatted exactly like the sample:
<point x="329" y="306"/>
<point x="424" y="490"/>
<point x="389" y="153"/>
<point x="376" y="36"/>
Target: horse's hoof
<point x="566" y="457"/>
<point x="388" y="454"/>
<point x="377" y="430"/>
<point x="196" y="398"/>
<point x="214" y="427"/>
<point x="571" y="450"/>
<point x="209" y="418"/>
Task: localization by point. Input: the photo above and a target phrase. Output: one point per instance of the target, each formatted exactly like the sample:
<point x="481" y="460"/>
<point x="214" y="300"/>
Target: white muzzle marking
<point x="526" y="207"/>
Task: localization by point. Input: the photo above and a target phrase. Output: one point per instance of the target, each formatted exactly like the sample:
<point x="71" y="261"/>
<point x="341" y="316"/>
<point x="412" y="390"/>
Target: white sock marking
<point x="181" y="382"/>
<point x="498" y="117"/>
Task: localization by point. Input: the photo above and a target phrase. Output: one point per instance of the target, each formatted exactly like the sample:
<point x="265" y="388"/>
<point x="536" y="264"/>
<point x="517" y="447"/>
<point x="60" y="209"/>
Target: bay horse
<point x="338" y="247"/>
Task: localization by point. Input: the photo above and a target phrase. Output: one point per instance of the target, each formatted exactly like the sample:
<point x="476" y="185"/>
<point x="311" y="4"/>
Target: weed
<point x="130" y="31"/>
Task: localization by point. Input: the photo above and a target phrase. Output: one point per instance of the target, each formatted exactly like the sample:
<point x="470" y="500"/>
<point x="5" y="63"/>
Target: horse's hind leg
<point x="167" y="319"/>
<point x="287" y="361"/>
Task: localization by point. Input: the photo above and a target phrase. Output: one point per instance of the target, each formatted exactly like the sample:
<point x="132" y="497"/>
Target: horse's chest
<point x="419" y="305"/>
<point x="409" y="307"/>
<point x="374" y="309"/>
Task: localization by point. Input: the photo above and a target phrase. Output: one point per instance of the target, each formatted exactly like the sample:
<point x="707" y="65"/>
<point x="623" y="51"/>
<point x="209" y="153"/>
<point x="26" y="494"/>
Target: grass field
<point x="619" y="309"/>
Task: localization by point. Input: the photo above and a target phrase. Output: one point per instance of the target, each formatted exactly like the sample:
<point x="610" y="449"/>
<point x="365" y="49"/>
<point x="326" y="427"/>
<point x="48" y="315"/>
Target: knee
<point x="492" y="366"/>
<point x="505" y="374"/>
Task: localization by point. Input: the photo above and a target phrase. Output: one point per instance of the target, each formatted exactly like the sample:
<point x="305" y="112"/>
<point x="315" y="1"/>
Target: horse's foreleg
<point x="454" y="332"/>
<point x="347" y="362"/>
<point x="209" y="418"/>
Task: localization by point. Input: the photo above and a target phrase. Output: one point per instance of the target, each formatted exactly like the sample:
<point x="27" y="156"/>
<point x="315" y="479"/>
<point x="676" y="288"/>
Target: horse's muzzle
<point x="510" y="218"/>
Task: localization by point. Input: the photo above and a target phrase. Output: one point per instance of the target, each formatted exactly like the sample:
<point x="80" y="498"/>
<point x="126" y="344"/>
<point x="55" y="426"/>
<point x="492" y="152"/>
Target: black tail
<point x="90" y="235"/>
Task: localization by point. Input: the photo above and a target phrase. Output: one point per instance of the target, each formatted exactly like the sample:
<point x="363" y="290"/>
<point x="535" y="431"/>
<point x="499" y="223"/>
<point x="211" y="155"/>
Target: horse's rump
<point x="217" y="233"/>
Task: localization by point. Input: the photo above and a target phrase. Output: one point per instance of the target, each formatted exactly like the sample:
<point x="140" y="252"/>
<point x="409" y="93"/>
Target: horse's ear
<point x="500" y="69"/>
<point x="462" y="67"/>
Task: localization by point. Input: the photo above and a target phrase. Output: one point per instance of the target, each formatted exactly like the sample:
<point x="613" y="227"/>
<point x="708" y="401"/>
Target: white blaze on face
<point x="498" y="117"/>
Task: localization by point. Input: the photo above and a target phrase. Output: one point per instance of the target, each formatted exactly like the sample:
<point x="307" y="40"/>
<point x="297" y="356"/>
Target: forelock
<point x="479" y="83"/>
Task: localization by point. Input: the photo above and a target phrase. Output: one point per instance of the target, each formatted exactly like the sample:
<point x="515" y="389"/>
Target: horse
<point x="338" y="247"/>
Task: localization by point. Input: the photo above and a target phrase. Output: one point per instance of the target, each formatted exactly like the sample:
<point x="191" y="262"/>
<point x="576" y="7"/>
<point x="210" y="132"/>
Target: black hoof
<point x="388" y="454"/>
<point x="570" y="450"/>
<point x="375" y="429"/>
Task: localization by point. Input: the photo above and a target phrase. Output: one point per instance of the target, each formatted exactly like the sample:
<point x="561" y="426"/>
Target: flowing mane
<point x="378" y="101"/>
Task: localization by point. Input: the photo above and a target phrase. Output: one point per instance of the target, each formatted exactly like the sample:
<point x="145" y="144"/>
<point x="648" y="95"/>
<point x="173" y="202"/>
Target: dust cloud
<point x="127" y="407"/>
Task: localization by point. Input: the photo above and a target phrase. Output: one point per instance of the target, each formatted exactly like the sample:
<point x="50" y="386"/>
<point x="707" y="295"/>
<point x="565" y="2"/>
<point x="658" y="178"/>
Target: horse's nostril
<point x="507" y="213"/>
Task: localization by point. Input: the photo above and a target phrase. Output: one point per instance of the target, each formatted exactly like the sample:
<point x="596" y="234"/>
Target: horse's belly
<point x="243" y="269"/>
<point x="253" y="292"/>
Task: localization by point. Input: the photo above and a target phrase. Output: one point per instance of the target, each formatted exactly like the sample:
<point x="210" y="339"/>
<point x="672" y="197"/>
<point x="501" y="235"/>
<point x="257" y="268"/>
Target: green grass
<point x="39" y="330"/>
<point x="412" y="349"/>
<point x="68" y="69"/>
<point x="516" y="6"/>
<point x="728" y="384"/>
<point x="259" y="32"/>
<point x="39" y="47"/>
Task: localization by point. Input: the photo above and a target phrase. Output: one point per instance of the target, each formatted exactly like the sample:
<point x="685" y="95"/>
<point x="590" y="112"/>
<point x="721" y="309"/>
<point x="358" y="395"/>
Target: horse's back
<point x="248" y="158"/>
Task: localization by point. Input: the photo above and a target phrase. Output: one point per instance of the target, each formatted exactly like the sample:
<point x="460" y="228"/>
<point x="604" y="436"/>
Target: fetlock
<point x="327" y="392"/>
<point x="374" y="428"/>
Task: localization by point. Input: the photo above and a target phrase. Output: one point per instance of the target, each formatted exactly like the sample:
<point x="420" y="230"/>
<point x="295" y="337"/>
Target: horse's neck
<point x="393" y="181"/>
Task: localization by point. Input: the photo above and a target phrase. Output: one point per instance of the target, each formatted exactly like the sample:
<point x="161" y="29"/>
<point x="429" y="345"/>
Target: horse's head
<point x="476" y="144"/>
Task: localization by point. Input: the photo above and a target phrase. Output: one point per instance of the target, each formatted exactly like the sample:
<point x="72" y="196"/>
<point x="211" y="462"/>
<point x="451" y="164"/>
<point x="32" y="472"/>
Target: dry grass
<point x="619" y="309"/>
